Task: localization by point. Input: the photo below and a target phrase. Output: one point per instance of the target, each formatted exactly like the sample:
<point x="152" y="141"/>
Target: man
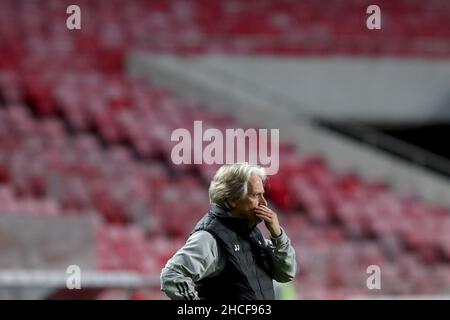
<point x="226" y="256"/>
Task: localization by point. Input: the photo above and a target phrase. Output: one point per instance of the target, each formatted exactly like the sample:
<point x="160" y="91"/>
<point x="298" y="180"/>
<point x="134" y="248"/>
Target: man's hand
<point x="270" y="220"/>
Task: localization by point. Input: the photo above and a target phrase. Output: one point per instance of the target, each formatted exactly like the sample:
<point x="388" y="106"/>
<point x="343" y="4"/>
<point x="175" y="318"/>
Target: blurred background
<point x="86" y="116"/>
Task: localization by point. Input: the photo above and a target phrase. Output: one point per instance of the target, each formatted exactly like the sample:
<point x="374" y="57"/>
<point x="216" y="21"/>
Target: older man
<point x="226" y="256"/>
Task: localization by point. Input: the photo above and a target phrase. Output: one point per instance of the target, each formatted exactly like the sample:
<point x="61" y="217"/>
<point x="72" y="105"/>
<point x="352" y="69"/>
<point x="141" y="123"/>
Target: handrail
<point x="395" y="146"/>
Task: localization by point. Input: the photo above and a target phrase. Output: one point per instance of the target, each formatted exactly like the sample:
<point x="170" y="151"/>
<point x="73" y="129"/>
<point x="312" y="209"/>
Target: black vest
<point x="247" y="273"/>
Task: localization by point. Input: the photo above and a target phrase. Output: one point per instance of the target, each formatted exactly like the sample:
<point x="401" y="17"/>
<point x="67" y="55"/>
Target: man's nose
<point x="262" y="201"/>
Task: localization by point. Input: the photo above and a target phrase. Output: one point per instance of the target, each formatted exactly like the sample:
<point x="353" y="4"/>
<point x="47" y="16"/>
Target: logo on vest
<point x="236" y="247"/>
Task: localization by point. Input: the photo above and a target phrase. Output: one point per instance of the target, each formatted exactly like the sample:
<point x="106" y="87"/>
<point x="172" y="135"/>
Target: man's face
<point x="255" y="197"/>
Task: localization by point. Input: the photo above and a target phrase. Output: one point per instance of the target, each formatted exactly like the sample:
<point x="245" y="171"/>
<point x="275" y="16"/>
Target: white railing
<point x="23" y="278"/>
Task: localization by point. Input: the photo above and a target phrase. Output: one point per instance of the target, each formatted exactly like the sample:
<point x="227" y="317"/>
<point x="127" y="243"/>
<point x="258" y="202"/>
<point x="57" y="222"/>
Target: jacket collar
<point x="239" y="225"/>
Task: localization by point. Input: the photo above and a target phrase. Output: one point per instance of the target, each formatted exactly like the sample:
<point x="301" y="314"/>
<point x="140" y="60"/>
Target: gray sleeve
<point x="284" y="262"/>
<point x="197" y="259"/>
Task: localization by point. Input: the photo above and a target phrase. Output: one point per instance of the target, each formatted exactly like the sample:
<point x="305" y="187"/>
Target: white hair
<point x="230" y="182"/>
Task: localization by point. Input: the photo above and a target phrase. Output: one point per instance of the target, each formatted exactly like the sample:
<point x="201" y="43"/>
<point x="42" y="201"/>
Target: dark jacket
<point x="247" y="274"/>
